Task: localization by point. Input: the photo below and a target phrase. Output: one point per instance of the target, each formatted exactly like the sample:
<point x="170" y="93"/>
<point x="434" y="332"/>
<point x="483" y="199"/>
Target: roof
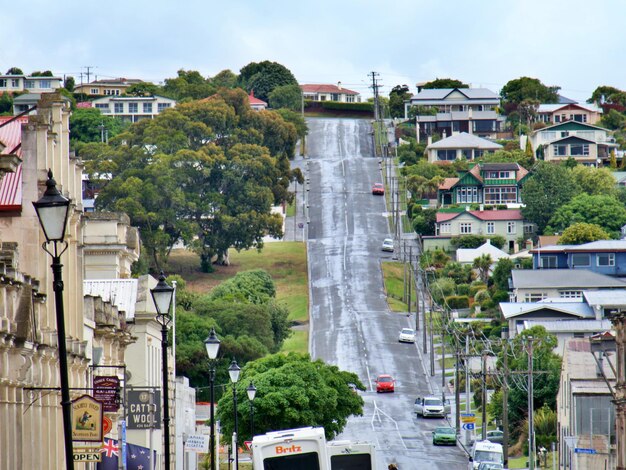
<point x="599" y="245"/>
<point x="580" y="364"/>
<point x="114" y="81"/>
<point x="569" y="326"/>
<point x="120" y="292"/>
<point x="576" y="309"/>
<point x="133" y="98"/>
<point x="499" y="166"/>
<point x="545" y="240"/>
<point x="255" y="101"/>
<point x="459" y="116"/>
<point x="448" y="183"/>
<point x="606" y="298"/>
<point x="322" y="88"/>
<point x="550" y="108"/>
<point x="506" y="214"/>
<point x="566" y="100"/>
<point x="84" y="104"/>
<point x="468" y="255"/>
<point x="566" y="123"/>
<point x="562" y="278"/>
<point x="465" y="140"/>
<point x="11" y="183"/>
<point x="442" y="93"/>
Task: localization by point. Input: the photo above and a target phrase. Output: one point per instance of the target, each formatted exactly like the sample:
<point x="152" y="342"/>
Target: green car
<point x="444" y="435"/>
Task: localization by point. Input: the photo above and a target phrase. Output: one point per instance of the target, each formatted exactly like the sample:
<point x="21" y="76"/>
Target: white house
<point x="460" y="146"/>
<point x="19" y="83"/>
<point x="330" y="93"/>
<point x="468" y="255"/>
<point x="133" y="108"/>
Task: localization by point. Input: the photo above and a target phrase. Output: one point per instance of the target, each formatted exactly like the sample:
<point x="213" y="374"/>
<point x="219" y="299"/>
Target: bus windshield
<point x="308" y="461"/>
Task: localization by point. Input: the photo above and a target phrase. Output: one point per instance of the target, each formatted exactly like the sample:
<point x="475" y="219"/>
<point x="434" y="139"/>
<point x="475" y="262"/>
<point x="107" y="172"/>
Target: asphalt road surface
<point x="351" y="325"/>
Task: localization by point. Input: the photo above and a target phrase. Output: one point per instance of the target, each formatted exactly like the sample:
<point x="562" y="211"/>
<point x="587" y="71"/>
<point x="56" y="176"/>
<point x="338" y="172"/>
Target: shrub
<point x="500" y="296"/>
<point x="348" y="106"/>
<point x="463" y="289"/>
<point x="482" y="296"/>
<point x="457" y="301"/>
<point x="476" y="286"/>
<point x="442" y="288"/>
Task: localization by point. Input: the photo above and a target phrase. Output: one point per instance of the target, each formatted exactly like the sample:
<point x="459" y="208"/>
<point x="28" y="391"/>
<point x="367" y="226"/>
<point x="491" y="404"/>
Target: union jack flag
<point x="137" y="457"/>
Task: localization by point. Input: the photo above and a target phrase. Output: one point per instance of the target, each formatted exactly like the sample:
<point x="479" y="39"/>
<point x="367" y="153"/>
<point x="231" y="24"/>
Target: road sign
<point x="579" y="450"/>
<point x="107" y="425"/>
<point x="197" y="443"/>
<point x="468" y="418"/>
<point x="248" y="444"/>
<point x="469" y="426"/>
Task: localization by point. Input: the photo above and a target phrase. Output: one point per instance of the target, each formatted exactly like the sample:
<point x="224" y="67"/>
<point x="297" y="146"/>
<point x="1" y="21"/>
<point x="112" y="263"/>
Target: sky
<point x="575" y="44"/>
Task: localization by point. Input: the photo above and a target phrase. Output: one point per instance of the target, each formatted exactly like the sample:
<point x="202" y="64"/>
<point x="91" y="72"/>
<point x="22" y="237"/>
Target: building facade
<point x="133" y="108"/>
<point x="330" y="92"/>
<point x="21" y="83"/>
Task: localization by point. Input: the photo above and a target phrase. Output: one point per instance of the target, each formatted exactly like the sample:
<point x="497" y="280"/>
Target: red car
<point x="378" y="189"/>
<point x="385" y="383"/>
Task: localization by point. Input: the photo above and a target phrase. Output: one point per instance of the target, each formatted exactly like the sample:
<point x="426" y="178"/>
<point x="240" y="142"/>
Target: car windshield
<point x="487" y="456"/>
<point x="385" y="379"/>
<point x="432" y="402"/>
<point x="407" y="331"/>
<point x="445" y="431"/>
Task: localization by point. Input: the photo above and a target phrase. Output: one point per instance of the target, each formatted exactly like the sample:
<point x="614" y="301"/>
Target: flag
<point x="137" y="457"/>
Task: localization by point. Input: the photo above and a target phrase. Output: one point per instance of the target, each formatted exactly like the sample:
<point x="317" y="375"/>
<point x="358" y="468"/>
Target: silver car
<point x="407" y="335"/>
<point x="388" y="244"/>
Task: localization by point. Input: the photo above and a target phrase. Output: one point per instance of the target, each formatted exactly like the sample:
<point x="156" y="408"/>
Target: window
<point x="465" y="227"/>
<point x="103" y="107"/>
<point x="529" y="228"/>
<point x="446" y="155"/>
<point x="580" y="259"/>
<point x="133" y="108"/>
<point x="147" y="108"/>
<point x="491" y="227"/>
<point x="334" y="97"/>
<point x="94" y="91"/>
<point x="579" y="149"/>
<point x="15" y="82"/>
<point x="3" y="82"/>
<point x="29" y="84"/>
<point x="557" y="118"/>
<point x="560" y="150"/>
<point x="119" y="108"/>
<point x="162" y="106"/>
<point x="45" y="84"/>
<point x="571" y="294"/>
<point x="535" y="297"/>
<point x="467" y="194"/>
<point x="500" y="195"/>
<point x="349" y="98"/>
<point x="606" y="259"/>
<point x="445" y="227"/>
<point x="547" y="262"/>
<point x="580" y="117"/>
<point x="511" y="227"/>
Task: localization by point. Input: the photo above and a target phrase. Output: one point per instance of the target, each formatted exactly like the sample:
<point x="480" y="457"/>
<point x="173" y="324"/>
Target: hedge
<point x="457" y="301"/>
<point x="348" y="106"/>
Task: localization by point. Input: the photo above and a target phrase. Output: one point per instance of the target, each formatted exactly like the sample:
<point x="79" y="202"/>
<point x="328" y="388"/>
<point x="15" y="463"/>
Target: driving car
<point x="495" y="435"/>
<point x="388" y="244"/>
<point x="444" y="435"/>
<point x="385" y="383"/>
<point x="407" y="335"/>
<point x="430" y="406"/>
<point x="378" y="189"/>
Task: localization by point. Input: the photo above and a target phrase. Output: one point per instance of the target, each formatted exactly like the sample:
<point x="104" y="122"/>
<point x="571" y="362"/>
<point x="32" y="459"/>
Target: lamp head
<point x="52" y="211"/>
<point x="212" y="344"/>
<point x="234" y="370"/>
<point x="162" y="295"/>
<point x="251" y="391"/>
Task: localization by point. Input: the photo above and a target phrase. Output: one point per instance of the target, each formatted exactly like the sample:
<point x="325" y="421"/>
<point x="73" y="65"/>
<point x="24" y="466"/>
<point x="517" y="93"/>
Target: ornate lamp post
<point x="234" y="371"/>
<point x="52" y="211"/>
<point x="162" y="295"/>
<point x="212" y="344"/>
<point x="251" y="391"/>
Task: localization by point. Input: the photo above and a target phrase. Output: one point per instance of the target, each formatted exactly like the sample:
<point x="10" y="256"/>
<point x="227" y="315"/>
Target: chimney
<point x="339" y="85"/>
<point x="444" y="135"/>
<point x="482" y="207"/>
<point x="467" y="208"/>
<point x="430" y="140"/>
<point x="488" y="241"/>
<point x="470" y="124"/>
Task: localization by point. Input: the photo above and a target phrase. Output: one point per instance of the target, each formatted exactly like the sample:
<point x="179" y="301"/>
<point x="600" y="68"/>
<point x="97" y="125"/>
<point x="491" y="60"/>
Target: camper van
<point x="485" y="451"/>
<point x="307" y="449"/>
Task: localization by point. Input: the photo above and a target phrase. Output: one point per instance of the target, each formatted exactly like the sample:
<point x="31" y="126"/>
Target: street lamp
<point x="212" y="344"/>
<point x="52" y="211"/>
<point x="234" y="371"/>
<point x="251" y="391"/>
<point x="162" y="296"/>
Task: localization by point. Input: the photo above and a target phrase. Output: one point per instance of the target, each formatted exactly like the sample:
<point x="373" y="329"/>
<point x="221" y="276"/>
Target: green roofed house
<point x="485" y="183"/>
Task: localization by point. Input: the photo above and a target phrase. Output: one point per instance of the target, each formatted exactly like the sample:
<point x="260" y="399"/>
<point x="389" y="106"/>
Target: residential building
<point x="585" y="408"/>
<point x="587" y="144"/>
<point x="255" y="103"/>
<point x="28" y="101"/>
<point x="485" y="183"/>
<point x="21" y="83"/>
<point x="562" y="112"/>
<point x="508" y="223"/>
<point x="468" y="255"/>
<point x="330" y="93"/>
<point x="534" y="285"/>
<point x="460" y="146"/>
<point x="107" y="87"/>
<point x="133" y="108"/>
<point x="564" y="330"/>
<point x="602" y="256"/>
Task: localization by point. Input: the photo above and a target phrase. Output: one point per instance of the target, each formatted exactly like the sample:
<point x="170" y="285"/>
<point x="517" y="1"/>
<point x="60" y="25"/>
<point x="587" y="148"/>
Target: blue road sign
<point x="468" y="415"/>
<point x="469" y="426"/>
<point x="579" y="450"/>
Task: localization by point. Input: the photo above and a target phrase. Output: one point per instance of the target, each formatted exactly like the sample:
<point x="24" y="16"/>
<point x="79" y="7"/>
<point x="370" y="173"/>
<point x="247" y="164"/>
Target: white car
<point x="407" y="335"/>
<point x="388" y="244"/>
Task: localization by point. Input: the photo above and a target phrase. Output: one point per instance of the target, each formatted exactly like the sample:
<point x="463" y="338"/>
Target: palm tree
<point x="483" y="264"/>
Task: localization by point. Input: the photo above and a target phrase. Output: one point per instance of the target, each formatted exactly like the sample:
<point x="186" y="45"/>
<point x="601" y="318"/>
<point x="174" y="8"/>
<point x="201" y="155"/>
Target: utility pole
<point x="375" y="89"/>
<point x="484" y="395"/>
<point x="443" y="362"/>
<point x="88" y="73"/>
<point x="432" y="349"/>
<point x="295" y="207"/>
<point x="531" y="405"/>
<point x="505" y="395"/>
<point x="457" y="391"/>
<point x="468" y="407"/>
<point x="410" y="279"/>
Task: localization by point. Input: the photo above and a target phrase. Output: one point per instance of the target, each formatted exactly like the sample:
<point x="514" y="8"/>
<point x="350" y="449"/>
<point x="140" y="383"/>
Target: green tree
<point x="607" y="95"/>
<point x="69" y="83"/>
<point x="460" y="273"/>
<point x="45" y="73"/>
<point x="604" y="211"/>
<point x="6" y="103"/>
<point x="548" y="188"/>
<point x="444" y="83"/>
<point x="423" y="220"/>
<point x="142" y="89"/>
<point x="86" y="125"/>
<point x="224" y="79"/>
<point x="482" y="264"/>
<point x="15" y="71"/>
<point x="581" y="232"/>
<point x="292" y="392"/>
<point x="263" y="77"/>
<point x="502" y="273"/>
<point x="286" y="96"/>
<point x="526" y="88"/>
<point x="296" y="119"/>
<point x="188" y="84"/>
<point x="523" y="158"/>
<point x="255" y="286"/>
<point x="594" y="181"/>
<point x="613" y="120"/>
<point x="397" y="96"/>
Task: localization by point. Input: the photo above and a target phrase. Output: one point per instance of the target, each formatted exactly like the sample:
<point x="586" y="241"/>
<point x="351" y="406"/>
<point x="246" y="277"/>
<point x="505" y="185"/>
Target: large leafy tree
<point x="264" y="77"/>
<point x="292" y="391"/>
<point x="594" y="181"/>
<point x="188" y="84"/>
<point x="224" y="79"/>
<point x="527" y="88"/>
<point x="397" y="96"/>
<point x="582" y="232"/>
<point x="604" y="211"/>
<point x="445" y="83"/>
<point x="143" y="89"/>
<point x="518" y="156"/>
<point x="286" y="96"/>
<point x="88" y="124"/>
<point x="607" y="95"/>
<point x="15" y="71"/>
<point x="548" y="188"/>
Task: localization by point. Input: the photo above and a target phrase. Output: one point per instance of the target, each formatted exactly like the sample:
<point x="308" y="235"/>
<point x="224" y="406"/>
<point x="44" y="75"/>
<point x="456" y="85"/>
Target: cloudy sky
<point x="575" y="44"/>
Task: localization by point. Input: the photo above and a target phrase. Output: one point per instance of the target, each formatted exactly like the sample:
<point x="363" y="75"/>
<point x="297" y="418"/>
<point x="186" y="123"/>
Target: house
<point x="485" y="183"/>
<point x="561" y="112"/>
<point x="534" y="285"/>
<point x="459" y="146"/>
<point x="133" y="108"/>
<point x="450" y="110"/>
<point x="587" y="144"/>
<point x="585" y="403"/>
<point x="468" y="255"/>
<point x="602" y="256"/>
<point x="107" y="87"/>
<point x="508" y="223"/>
<point x="255" y="103"/>
<point x="522" y="315"/>
<point x="20" y="83"/>
<point x="565" y="330"/>
<point x="330" y="93"/>
<point x="28" y="103"/>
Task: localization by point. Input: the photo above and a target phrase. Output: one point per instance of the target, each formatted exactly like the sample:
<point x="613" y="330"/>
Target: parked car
<point x="378" y="189"/>
<point x="444" y="435"/>
<point x="430" y="406"/>
<point x="385" y="383"/>
<point x="491" y="466"/>
<point x="407" y="335"/>
<point x="388" y="244"/>
<point x="495" y="435"/>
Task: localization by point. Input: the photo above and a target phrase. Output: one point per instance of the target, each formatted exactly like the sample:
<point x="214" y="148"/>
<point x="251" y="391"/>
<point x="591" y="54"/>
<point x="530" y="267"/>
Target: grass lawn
<point x="393" y="277"/>
<point x="297" y="342"/>
<point x="285" y="261"/>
